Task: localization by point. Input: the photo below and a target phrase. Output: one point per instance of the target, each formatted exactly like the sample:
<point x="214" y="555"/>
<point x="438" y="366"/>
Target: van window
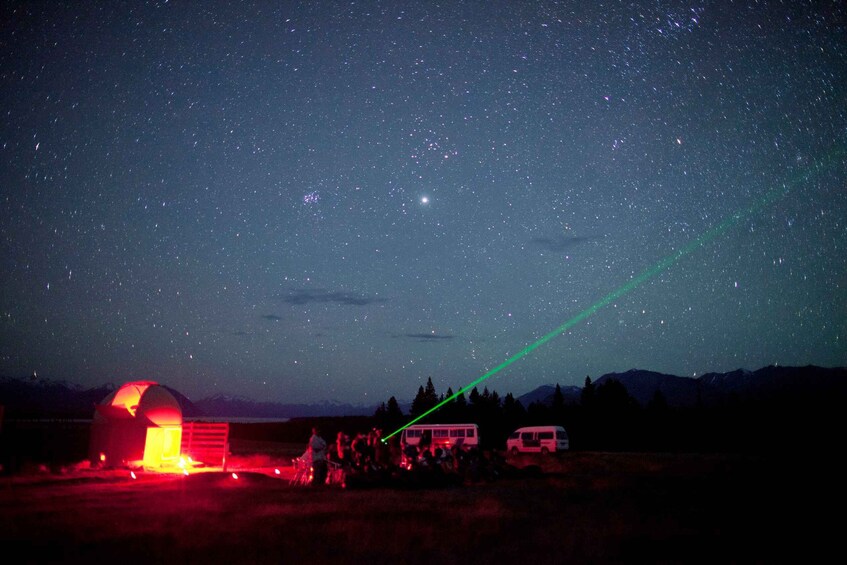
<point x="526" y="435"/>
<point x="545" y="435"/>
<point x="561" y="434"/>
<point x="457" y="433"/>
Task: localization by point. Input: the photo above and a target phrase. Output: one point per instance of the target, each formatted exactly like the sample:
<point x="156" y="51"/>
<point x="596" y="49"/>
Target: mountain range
<point x="798" y="384"/>
<point x="32" y="397"/>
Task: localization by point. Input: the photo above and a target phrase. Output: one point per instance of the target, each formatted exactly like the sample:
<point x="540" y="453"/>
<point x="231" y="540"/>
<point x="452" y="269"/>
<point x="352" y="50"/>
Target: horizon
<point x="404" y="402"/>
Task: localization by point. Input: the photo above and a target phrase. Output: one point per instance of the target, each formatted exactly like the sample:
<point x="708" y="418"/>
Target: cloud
<point x="428" y="337"/>
<point x="558" y="244"/>
<point x="302" y="296"/>
<point x="272" y="317"/>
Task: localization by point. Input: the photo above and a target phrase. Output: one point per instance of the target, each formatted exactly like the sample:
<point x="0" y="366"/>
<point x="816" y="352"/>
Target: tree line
<point x="608" y="418"/>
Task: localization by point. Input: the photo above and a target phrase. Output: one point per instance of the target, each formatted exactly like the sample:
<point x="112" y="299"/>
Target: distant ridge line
<point x="58" y="399"/>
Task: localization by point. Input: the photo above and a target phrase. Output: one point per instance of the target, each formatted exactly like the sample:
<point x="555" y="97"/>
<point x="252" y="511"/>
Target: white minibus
<point x="538" y="439"/>
<point x="442" y="435"/>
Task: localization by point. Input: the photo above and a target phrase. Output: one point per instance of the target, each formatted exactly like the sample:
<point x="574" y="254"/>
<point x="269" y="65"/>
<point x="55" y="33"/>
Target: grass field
<point x="574" y="508"/>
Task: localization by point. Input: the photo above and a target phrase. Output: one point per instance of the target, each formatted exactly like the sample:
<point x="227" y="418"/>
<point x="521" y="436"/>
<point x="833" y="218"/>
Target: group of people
<point x="362" y="453"/>
<point x="366" y="458"/>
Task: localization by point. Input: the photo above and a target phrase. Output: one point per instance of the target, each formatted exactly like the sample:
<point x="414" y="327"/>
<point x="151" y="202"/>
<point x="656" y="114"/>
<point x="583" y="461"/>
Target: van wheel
<point x="545" y="451"/>
<point x="514" y="452"/>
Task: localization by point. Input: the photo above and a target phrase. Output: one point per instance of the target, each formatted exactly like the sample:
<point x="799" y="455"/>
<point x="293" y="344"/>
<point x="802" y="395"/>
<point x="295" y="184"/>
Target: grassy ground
<point x="574" y="508"/>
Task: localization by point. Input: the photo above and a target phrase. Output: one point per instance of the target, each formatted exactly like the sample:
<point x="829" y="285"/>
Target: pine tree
<point x="587" y="395"/>
<point x="494" y="400"/>
<point x="558" y="399"/>
<point x="425" y="400"/>
<point x="380" y="412"/>
<point x="418" y="404"/>
<point x="393" y="414"/>
<point x="447" y="413"/>
<point x="513" y="410"/>
<point x="429" y="394"/>
<point x="461" y="402"/>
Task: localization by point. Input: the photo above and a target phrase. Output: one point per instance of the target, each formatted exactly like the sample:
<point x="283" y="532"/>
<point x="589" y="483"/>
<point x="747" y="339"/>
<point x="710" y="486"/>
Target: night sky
<point x="335" y="201"/>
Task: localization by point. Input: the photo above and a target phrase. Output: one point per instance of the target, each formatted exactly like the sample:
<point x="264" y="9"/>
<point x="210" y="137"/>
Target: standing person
<point x="382" y="451"/>
<point x="317" y="447"/>
<point x="343" y="449"/>
<point x="360" y="450"/>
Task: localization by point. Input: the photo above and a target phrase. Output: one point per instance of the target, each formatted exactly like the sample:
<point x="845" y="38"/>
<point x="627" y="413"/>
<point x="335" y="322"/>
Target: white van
<point x="538" y="439"/>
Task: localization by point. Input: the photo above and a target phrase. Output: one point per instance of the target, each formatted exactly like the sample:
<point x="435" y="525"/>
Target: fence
<point x="206" y="442"/>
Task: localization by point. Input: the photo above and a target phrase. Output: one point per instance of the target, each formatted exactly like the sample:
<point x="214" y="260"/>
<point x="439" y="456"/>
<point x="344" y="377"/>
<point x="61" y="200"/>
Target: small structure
<point x="205" y="443"/>
<point x="140" y="424"/>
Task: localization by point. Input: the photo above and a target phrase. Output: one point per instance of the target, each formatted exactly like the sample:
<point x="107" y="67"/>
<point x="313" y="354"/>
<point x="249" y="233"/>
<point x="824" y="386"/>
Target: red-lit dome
<point x="141" y="421"/>
<point x="145" y="400"/>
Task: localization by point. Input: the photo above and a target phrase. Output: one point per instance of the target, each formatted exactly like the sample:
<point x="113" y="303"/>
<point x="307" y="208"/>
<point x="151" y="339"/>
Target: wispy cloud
<point x="558" y="244"/>
<point x="428" y="337"/>
<point x="302" y="296"/>
<point x="271" y="317"/>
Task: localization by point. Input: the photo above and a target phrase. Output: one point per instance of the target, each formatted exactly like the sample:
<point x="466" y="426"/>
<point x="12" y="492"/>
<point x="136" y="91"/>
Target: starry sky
<point x="335" y="201"/>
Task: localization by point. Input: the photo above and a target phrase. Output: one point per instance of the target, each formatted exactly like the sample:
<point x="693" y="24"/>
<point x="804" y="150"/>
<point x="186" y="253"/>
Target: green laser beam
<point x="637" y="281"/>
